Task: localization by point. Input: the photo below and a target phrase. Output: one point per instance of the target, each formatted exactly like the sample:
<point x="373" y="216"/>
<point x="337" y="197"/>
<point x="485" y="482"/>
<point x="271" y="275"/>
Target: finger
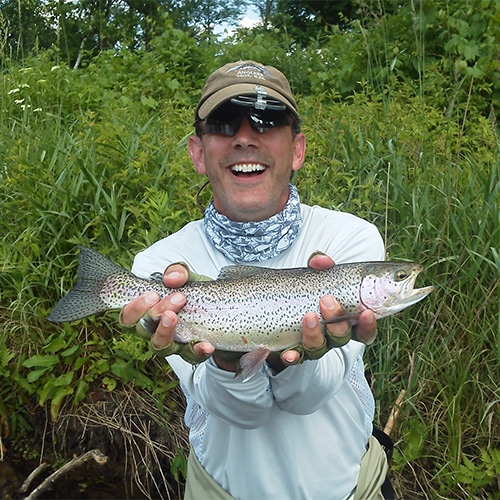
<point x="175" y="276"/>
<point x="312" y="332"/>
<point x="148" y="324"/>
<point x="320" y="261"/>
<point x="313" y="341"/>
<point x="135" y="310"/>
<point x="166" y="311"/>
<point x="367" y="327"/>
<point x="165" y="331"/>
<point x="165" y="335"/>
<point x="330" y="308"/>
<point x="203" y="349"/>
<point x="173" y="302"/>
<point x="290" y="357"/>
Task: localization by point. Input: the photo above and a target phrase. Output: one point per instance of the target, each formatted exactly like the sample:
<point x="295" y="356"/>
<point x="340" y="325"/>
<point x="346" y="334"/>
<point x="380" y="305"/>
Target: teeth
<point x="248" y="167"/>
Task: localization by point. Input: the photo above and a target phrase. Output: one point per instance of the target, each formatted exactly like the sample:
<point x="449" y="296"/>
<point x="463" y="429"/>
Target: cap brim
<point x="227" y="93"/>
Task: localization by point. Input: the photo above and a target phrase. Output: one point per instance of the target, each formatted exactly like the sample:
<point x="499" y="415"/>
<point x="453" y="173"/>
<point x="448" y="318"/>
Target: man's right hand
<point x="164" y="313"/>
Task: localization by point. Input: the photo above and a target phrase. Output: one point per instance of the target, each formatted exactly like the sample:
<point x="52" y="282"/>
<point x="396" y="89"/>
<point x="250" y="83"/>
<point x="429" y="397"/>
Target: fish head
<point x="388" y="287"/>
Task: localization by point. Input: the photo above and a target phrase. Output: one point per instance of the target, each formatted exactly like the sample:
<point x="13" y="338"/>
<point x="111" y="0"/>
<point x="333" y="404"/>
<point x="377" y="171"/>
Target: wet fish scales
<point x="247" y="307"/>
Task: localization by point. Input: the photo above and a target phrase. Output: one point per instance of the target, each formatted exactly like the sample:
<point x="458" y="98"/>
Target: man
<point x="300" y="427"/>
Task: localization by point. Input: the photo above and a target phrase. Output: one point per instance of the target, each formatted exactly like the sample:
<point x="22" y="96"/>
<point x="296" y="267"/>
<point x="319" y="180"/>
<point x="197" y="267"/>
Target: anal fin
<point x="251" y="362"/>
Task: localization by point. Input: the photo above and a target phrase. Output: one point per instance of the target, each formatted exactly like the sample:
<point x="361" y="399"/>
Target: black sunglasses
<point x="227" y="118"/>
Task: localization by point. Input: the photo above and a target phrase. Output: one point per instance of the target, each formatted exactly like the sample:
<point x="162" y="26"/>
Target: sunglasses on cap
<point x="227" y="118"/>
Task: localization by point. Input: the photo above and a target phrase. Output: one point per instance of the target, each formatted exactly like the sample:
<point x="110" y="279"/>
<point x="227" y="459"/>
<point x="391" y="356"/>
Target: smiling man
<point x="300" y="428"/>
<point x="243" y="143"/>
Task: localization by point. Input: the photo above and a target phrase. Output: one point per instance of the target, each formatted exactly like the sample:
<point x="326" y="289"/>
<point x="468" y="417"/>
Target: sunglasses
<point x="227" y="118"/>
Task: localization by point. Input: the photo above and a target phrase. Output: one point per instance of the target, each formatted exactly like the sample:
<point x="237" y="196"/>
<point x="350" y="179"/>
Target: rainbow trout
<point x="247" y="308"/>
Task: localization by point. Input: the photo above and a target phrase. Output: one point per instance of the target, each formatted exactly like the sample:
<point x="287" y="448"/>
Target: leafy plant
<point x="97" y="156"/>
<point x="478" y="475"/>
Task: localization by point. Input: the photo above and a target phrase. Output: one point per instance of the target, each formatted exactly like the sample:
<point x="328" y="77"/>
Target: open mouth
<point x="247" y="169"/>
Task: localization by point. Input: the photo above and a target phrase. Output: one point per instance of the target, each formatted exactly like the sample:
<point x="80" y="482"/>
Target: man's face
<point x="249" y="171"/>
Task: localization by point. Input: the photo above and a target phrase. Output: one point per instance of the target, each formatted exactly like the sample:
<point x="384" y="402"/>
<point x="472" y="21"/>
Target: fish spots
<point x="263" y="310"/>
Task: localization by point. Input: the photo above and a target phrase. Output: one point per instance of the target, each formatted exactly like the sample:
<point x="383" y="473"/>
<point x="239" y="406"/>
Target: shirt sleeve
<point x="302" y="389"/>
<point x="241" y="404"/>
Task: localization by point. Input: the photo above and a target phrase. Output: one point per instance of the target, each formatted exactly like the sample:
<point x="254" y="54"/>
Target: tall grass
<point x="434" y="192"/>
<point x="115" y="175"/>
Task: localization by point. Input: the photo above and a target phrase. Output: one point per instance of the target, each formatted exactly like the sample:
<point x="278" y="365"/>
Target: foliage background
<point x="400" y="106"/>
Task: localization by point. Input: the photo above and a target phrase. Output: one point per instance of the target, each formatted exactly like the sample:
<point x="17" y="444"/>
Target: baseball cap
<point x="264" y="84"/>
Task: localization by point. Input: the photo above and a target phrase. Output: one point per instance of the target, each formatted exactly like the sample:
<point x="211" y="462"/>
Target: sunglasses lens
<point x="221" y="127"/>
<point x="266" y="120"/>
<point x="226" y="120"/>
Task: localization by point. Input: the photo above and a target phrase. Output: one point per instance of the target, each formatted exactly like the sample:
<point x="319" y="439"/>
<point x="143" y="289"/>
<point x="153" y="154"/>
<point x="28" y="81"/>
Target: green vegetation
<point x="399" y="132"/>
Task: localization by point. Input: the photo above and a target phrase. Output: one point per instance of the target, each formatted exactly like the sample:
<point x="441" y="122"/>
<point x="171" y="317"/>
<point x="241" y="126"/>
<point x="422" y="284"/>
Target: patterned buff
<point x="254" y="241"/>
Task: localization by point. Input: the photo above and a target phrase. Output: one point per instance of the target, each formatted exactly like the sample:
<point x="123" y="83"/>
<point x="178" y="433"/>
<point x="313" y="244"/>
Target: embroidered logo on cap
<point x="250" y="70"/>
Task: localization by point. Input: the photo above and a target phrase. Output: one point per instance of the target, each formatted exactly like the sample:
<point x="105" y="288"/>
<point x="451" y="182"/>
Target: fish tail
<point x="84" y="299"/>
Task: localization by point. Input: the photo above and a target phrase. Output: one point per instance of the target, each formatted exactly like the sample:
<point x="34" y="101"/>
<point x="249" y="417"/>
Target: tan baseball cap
<point x="245" y="78"/>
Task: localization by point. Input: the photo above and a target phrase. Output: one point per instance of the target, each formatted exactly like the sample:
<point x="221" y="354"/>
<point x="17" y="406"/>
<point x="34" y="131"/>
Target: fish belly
<point x="273" y="324"/>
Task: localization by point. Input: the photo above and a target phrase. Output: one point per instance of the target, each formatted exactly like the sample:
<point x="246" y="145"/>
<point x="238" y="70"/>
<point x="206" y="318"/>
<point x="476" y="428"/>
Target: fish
<point x="248" y="309"/>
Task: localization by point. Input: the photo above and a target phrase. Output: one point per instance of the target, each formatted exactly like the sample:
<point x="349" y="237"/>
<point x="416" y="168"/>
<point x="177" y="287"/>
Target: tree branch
<point x="97" y="455"/>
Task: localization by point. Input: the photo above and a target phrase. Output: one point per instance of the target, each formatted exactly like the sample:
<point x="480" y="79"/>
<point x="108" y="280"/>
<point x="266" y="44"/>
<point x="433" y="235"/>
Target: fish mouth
<point x="247" y="169"/>
<point x="411" y="295"/>
<point x="414" y="295"/>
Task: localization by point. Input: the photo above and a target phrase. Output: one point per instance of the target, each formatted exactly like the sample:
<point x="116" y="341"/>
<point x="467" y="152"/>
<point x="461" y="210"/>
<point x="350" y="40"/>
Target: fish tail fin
<point x="250" y="363"/>
<point x="84" y="299"/>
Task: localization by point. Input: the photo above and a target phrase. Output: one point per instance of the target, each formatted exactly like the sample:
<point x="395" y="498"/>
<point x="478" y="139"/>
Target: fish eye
<point x="401" y="274"/>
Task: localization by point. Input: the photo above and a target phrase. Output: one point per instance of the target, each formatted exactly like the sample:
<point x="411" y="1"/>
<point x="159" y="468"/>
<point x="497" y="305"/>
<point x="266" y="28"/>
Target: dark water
<point x="85" y="482"/>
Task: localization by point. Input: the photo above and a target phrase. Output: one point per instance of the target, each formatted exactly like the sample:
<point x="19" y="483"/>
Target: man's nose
<point x="245" y="135"/>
